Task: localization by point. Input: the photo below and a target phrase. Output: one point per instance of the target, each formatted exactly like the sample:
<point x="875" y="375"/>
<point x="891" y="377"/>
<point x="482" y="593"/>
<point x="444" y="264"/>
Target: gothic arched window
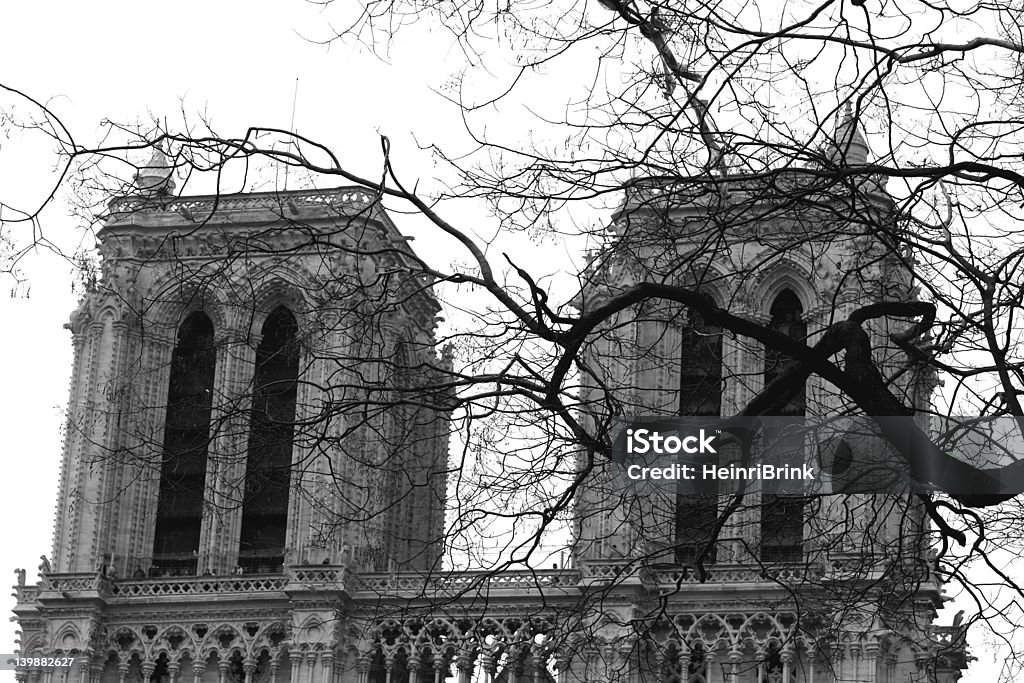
<point x="700" y="394"/>
<point x="782" y="517"/>
<point x="787" y="318"/>
<point x="700" y="385"/>
<point x="179" y="509"/>
<point x="269" y="460"/>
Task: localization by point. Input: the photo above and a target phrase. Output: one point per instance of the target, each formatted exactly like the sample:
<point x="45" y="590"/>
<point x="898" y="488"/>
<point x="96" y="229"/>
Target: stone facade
<point x="851" y="596"/>
<point x="360" y="595"/>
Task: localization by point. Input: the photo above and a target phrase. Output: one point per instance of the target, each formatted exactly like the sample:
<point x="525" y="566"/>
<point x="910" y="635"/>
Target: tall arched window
<point x="700" y="394"/>
<point x="782" y="517"/>
<point x="269" y="461"/>
<point x="179" y="509"/>
<point x="700" y="386"/>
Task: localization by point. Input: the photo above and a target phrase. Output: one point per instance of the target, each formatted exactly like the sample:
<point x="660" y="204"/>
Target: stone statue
<point x="44" y="565"/>
<point x="21" y="576"/>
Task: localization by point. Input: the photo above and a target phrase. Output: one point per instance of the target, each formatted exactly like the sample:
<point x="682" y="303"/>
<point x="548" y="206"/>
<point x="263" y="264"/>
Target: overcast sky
<point x="236" y="64"/>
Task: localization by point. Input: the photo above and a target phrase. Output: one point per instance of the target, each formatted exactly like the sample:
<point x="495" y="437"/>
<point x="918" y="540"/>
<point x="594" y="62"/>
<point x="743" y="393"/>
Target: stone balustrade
<point x="340" y="201"/>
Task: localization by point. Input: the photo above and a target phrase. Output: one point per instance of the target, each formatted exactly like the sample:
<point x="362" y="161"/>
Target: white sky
<point x="237" y="63"/>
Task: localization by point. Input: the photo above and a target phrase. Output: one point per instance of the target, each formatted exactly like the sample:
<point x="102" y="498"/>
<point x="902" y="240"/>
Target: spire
<point x="157" y="176"/>
<point x="847" y="146"/>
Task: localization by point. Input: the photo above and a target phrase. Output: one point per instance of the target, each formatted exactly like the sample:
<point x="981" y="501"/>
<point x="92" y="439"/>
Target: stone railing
<point x="456" y="583"/>
<point x="951" y="645"/>
<point x="450" y="584"/>
<point x="343" y="200"/>
<point x="948" y="636"/>
<point x="197" y="585"/>
<point x="319" y="577"/>
<point x="780" y="184"/>
<point x="66" y="583"/>
<point x="607" y="570"/>
<point x="717" y="574"/>
<point x="26" y="594"/>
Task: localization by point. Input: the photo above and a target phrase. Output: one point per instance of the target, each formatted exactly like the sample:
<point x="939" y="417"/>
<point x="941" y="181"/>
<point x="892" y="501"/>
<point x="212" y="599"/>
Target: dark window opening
<point x="700" y="394"/>
<point x="782" y="517"/>
<point x="696" y="517"/>
<point x="700" y="386"/>
<point x="787" y="318"/>
<point x="772" y="668"/>
<point x="269" y="461"/>
<point x="186" y="442"/>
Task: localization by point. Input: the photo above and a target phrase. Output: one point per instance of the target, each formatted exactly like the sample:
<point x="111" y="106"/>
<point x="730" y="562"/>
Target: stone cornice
<point x="744" y="193"/>
<point x="249" y="207"/>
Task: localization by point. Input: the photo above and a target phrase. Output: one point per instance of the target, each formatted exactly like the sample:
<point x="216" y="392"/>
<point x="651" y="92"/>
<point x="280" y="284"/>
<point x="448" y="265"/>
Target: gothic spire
<point x="847" y="145"/>
<point x="157" y="176"/>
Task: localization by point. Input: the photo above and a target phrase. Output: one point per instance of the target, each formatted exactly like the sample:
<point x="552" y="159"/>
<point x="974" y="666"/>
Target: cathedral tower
<point x="247" y="400"/>
<point x="749" y="580"/>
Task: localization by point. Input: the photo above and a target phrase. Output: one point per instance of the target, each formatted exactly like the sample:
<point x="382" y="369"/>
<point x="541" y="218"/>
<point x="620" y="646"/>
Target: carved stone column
<point x="225" y="469"/>
<point x="326" y="667"/>
<point x="735" y="659"/>
<point x="83" y="527"/>
<point x="413" y="663"/>
<point x="871" y="662"/>
<point x="363" y="668"/>
<point x="464" y="665"/>
<point x="314" y="511"/>
<point x="856" y="659"/>
<point x="249" y="667"/>
<point x="156" y="351"/>
<point x="787" y="665"/>
<point x="83" y="669"/>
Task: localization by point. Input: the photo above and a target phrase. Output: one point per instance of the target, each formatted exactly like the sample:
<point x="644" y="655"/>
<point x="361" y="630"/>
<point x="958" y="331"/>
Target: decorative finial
<point x="157" y="176"/>
<point x="848" y="146"/>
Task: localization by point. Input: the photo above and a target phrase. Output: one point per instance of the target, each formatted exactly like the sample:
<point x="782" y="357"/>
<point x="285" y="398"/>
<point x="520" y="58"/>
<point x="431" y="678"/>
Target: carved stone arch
<point x="176" y="300"/>
<point x="438" y="632"/>
<point x="489" y="626"/>
<point x="214" y="642"/>
<point x="272" y="638"/>
<point x="275" y="291"/>
<point x="716" y="289"/>
<point x="35" y="643"/>
<point x="772" y="280"/>
<point x="760" y="629"/>
<point x="164" y="643"/>
<point x="125" y="642"/>
<point x="67" y="637"/>
<point x="311" y="631"/>
<point x="698" y="632"/>
<point x="526" y="632"/>
<point x="111" y="307"/>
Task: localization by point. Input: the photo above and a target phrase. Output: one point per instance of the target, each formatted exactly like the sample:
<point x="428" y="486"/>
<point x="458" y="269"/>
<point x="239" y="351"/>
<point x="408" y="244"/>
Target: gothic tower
<point x="744" y="584"/>
<point x="255" y="465"/>
<point x="246" y="400"/>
